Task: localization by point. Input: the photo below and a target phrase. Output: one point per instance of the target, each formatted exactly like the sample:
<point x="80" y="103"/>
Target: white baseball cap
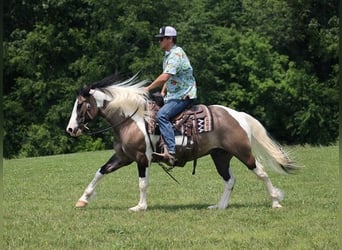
<point x="166" y="31"/>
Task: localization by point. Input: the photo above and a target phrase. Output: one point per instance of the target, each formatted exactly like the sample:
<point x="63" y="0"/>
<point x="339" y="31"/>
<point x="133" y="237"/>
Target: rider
<point x="181" y="92"/>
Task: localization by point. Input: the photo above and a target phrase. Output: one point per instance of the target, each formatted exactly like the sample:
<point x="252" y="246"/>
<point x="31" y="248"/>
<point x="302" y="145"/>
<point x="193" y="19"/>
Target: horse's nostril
<point x="69" y="130"/>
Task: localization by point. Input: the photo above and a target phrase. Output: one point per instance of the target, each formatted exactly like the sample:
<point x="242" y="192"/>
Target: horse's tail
<point x="266" y="150"/>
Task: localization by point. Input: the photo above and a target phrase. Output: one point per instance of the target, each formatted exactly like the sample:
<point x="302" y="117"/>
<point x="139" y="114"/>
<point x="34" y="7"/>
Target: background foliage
<point x="275" y="59"/>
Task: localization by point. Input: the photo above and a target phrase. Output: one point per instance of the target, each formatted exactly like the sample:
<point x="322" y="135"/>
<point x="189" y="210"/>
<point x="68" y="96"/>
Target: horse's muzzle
<point x="75" y="132"/>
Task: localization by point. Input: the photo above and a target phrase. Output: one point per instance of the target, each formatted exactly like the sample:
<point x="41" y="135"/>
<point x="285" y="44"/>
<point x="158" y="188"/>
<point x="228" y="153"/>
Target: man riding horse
<point x="181" y="93"/>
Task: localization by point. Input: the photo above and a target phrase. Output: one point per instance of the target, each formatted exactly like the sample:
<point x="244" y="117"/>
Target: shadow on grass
<point x="205" y="206"/>
<point x="179" y="207"/>
<point x="168" y="207"/>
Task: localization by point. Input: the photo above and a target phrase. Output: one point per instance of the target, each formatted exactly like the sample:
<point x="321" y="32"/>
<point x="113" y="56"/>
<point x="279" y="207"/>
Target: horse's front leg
<point x="114" y="163"/>
<point x="143" y="171"/>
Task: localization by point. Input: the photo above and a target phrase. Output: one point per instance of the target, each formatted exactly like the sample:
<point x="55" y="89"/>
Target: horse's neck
<point x="115" y="119"/>
<point x="111" y="118"/>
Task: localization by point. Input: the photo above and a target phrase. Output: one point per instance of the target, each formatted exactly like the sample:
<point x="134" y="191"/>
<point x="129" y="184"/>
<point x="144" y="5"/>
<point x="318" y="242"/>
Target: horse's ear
<point x="84" y="91"/>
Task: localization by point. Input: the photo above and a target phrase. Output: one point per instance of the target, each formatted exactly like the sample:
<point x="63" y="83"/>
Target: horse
<point x="234" y="134"/>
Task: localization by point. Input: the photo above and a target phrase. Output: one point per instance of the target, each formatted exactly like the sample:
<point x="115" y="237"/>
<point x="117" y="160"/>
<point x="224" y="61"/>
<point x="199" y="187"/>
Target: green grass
<point x="40" y="193"/>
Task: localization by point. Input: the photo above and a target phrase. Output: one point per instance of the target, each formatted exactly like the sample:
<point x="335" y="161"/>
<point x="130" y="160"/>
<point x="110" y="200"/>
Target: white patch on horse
<point x="100" y="97"/>
<point x="240" y="118"/>
<point x="181" y="140"/>
<point x="154" y="138"/>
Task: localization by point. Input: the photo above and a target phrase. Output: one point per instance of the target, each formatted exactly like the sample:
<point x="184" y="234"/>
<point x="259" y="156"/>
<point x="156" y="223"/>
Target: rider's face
<point x="165" y="43"/>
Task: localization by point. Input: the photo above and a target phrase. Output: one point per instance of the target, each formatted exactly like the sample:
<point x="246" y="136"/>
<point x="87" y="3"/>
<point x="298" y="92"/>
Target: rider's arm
<point x="163" y="91"/>
<point x="158" y="82"/>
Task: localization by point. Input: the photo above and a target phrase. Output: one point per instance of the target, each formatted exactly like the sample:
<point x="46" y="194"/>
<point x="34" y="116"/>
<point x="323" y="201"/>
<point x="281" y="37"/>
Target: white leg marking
<point x="143" y="184"/>
<point x="89" y="192"/>
<point x="276" y="194"/>
<point x="228" y="188"/>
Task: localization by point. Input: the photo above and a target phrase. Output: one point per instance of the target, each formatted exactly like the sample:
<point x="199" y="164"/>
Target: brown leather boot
<point x="166" y="157"/>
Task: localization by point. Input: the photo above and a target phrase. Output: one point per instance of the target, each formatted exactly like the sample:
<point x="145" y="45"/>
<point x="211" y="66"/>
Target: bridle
<point x="84" y="112"/>
<point x="84" y="115"/>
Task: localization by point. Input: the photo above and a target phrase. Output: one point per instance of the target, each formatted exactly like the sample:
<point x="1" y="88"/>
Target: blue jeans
<point x="165" y="115"/>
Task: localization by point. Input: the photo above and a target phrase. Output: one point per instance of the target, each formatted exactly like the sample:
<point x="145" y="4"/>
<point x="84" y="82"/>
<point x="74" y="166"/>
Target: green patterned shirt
<point x="182" y="83"/>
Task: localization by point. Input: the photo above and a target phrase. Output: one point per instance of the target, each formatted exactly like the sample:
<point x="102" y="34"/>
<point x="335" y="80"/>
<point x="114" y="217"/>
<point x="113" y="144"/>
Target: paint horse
<point x="123" y="105"/>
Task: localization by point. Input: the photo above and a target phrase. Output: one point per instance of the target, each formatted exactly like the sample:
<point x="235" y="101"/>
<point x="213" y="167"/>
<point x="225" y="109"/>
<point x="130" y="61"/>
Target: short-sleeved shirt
<point x="182" y="83"/>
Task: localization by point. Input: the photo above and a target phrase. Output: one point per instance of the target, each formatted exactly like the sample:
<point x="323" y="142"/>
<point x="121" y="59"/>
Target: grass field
<point x="40" y="193"/>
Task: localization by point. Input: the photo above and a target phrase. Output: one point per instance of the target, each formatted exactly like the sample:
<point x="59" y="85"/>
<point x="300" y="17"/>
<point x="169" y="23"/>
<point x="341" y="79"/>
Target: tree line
<point x="276" y="60"/>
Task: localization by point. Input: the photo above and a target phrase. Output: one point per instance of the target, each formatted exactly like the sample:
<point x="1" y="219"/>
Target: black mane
<point x="105" y="82"/>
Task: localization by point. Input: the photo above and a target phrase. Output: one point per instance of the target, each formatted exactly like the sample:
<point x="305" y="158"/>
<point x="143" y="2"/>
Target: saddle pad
<point x="195" y="120"/>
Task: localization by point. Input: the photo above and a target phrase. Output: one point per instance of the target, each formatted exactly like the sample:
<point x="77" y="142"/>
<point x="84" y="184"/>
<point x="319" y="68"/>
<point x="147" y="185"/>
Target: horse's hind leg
<point x="244" y="154"/>
<point x="276" y="194"/>
<point x="221" y="159"/>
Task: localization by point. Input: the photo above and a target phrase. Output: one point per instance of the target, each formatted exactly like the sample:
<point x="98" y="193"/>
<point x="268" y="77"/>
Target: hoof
<point x="213" y="207"/>
<point x="276" y="205"/>
<point x="81" y="204"/>
<point x="137" y="208"/>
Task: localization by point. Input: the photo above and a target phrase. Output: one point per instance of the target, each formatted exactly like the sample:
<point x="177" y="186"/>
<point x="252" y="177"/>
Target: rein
<point x="111" y="126"/>
<point x="167" y="170"/>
